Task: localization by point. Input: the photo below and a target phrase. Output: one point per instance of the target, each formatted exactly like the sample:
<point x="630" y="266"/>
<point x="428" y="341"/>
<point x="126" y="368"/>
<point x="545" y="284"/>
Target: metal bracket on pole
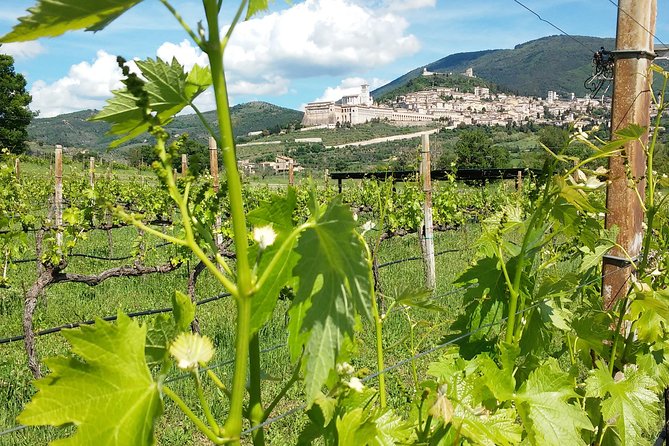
<point x="662" y="52"/>
<point x="633" y="54"/>
<point x="620" y="262"/>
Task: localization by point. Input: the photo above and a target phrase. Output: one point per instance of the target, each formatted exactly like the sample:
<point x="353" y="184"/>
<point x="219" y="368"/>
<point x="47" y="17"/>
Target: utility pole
<point x="631" y="105"/>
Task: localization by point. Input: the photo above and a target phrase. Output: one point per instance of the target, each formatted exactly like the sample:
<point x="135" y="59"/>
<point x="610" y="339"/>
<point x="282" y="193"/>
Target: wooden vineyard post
<point x="291" y="173"/>
<point x="184" y="165"/>
<point x="58" y="196"/>
<point x="213" y="168"/>
<point x="91" y="172"/>
<point x="631" y="105"/>
<point x="519" y="181"/>
<point x="17" y="169"/>
<point x="427" y="239"/>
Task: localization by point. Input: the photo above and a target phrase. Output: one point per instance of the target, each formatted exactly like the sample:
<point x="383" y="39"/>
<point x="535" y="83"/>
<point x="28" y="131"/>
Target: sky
<point x="298" y="51"/>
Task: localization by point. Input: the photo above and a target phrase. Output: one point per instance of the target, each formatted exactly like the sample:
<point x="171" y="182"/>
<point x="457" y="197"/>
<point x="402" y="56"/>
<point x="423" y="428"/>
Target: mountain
<point x="557" y="63"/>
<point x="74" y="129"/>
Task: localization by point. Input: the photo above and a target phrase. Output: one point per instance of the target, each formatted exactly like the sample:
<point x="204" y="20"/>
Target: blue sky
<point x="300" y="51"/>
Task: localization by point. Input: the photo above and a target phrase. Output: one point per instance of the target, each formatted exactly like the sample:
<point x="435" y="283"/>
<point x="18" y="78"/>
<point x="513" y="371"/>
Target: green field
<point x="67" y="303"/>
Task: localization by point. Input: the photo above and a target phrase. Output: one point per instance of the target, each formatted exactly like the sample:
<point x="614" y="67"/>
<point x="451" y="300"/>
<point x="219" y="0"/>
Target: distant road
<point x="360" y="143"/>
<point x="386" y="139"/>
<point x="261" y="143"/>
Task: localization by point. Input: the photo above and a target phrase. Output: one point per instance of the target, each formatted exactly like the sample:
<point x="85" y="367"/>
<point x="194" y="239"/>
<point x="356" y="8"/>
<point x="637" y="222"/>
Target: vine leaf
<point x="627" y="401"/>
<point x="256" y="6"/>
<point x="544" y="408"/>
<point x="651" y="311"/>
<point x="106" y="390"/>
<point x="334" y="285"/>
<point x="183" y="309"/>
<point x="161" y="331"/>
<point x="169" y="90"/>
<point x="279" y="214"/>
<point x="384" y="429"/>
<point x="51" y="18"/>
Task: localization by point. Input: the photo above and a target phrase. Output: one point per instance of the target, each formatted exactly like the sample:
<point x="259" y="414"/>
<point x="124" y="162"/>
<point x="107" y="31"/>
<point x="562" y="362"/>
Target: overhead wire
<point x="617" y="5"/>
<point x="590" y="50"/>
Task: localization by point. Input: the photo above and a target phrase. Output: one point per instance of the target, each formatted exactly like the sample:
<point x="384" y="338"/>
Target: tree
<point x="14" y="113"/>
<point x="474" y="149"/>
<point x="198" y="155"/>
<point x="555" y="138"/>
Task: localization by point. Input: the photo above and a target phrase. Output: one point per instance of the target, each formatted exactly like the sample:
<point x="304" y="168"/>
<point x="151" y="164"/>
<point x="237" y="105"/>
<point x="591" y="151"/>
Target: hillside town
<point x="453" y="106"/>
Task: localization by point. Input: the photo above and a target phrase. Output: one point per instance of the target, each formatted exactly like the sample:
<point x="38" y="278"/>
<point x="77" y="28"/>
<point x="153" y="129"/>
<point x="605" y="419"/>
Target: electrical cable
<point x="555" y="26"/>
<point x="617" y="5"/>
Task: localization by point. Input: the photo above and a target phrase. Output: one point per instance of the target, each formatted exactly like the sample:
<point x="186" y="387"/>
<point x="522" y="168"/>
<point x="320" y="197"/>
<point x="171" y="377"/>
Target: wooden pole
<point x="17" y="169"/>
<point x="184" y="165"/>
<point x="91" y="171"/>
<point x="213" y="168"/>
<point x="631" y="105"/>
<point x="427" y="239"/>
<point x="291" y="173"/>
<point x="58" y="196"/>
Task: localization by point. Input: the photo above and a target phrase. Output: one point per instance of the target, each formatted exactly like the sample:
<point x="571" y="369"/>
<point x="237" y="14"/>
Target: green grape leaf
<point x="418" y="298"/>
<point x="334" y="285"/>
<point x="106" y="390"/>
<point x="499" y="428"/>
<point x="256" y="6"/>
<point x="279" y="214"/>
<point x="593" y="258"/>
<point x="160" y="333"/>
<point x="169" y="89"/>
<point x="631" y="132"/>
<point x="384" y="429"/>
<point x="183" y="309"/>
<point x="628" y="404"/>
<point x="500" y="382"/>
<point x="543" y="405"/>
<point x="390" y="430"/>
<point x="51" y="18"/>
<point x="353" y="426"/>
<point x="651" y="309"/>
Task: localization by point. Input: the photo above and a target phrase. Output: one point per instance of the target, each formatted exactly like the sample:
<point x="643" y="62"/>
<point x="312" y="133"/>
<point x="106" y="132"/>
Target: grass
<point x="360" y="132"/>
<point x="64" y="303"/>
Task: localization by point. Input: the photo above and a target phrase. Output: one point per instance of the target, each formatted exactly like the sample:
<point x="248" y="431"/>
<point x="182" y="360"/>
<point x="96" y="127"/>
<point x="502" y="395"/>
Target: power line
<point x="617" y="5"/>
<point x="555" y="26"/>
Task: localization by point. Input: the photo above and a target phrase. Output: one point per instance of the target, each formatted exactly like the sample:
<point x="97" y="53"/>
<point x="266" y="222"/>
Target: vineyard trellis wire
<point x="368" y="378"/>
<point x="153" y="311"/>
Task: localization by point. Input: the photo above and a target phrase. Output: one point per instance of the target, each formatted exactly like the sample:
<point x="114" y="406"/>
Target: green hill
<point x="74" y="129"/>
<point x="421" y="83"/>
<point x="556" y="63"/>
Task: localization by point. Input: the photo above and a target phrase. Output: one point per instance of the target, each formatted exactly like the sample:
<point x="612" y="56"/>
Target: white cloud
<point x="405" y="5"/>
<point x="349" y="86"/>
<point x="22" y="50"/>
<point x="319" y="37"/>
<point x="311" y="38"/>
<point x="186" y="53"/>
<point x="86" y="86"/>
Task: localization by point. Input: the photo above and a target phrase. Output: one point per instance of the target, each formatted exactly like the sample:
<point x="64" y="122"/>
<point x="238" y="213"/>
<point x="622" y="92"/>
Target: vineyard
<point x="200" y="310"/>
<point x="98" y="246"/>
